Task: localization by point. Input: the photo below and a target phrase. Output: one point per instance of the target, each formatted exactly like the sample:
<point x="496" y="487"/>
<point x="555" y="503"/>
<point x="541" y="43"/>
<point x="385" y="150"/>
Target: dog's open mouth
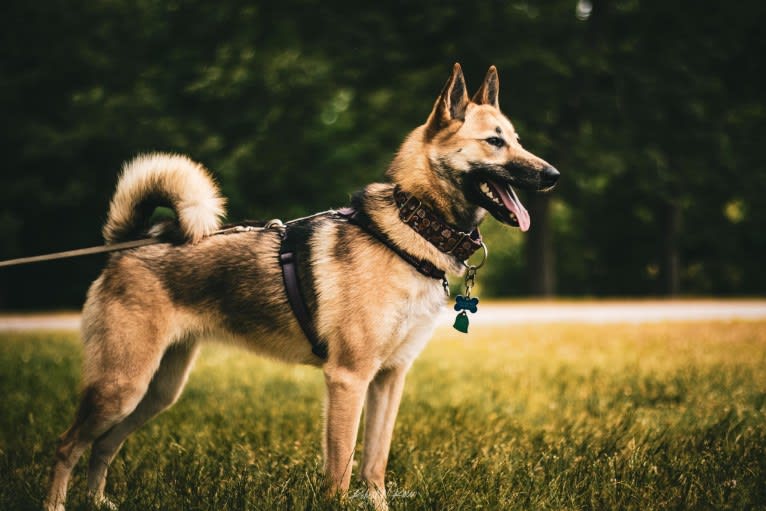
<point x="506" y="205"/>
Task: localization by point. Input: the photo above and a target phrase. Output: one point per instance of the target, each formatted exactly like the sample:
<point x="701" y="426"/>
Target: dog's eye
<point x="495" y="141"/>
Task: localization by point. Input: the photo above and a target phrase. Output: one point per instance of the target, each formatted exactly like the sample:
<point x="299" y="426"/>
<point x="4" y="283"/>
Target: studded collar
<point x="434" y="229"/>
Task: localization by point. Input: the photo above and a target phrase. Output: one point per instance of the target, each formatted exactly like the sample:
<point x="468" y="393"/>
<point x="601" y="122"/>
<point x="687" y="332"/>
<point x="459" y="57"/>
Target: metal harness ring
<point x="483" y="259"/>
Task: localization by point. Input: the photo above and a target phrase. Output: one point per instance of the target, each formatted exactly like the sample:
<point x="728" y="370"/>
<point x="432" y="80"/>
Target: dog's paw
<point x="376" y="495"/>
<point x="377" y="498"/>
<point x="104" y="503"/>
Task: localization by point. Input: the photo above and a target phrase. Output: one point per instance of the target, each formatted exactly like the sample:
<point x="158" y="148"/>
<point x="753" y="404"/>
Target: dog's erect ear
<point x="451" y="103"/>
<point x="489" y="90"/>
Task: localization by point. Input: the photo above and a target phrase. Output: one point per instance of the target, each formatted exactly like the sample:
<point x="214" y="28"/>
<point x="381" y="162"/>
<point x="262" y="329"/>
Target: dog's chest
<point x="370" y="299"/>
<point x="418" y="316"/>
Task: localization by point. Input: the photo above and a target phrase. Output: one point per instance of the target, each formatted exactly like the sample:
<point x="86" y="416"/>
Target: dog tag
<point x="461" y="323"/>
<point x="466" y="303"/>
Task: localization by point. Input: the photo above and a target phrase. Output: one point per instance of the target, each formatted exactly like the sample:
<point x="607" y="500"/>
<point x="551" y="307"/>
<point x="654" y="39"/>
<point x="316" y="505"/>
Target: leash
<point x="101" y="249"/>
<point x="118" y="247"/>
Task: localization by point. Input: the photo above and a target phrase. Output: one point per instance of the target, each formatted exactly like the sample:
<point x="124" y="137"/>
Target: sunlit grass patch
<point x="524" y="417"/>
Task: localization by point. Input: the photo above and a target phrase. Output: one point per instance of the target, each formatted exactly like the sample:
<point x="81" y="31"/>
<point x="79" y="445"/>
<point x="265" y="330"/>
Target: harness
<point x="412" y="212"/>
<point x="288" y="260"/>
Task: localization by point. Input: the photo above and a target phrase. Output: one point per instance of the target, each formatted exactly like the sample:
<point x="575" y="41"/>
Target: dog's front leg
<point x="383" y="397"/>
<point x="345" y="398"/>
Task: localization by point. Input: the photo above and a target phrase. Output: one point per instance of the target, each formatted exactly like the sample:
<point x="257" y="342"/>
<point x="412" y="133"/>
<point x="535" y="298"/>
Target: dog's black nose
<point x="549" y="176"/>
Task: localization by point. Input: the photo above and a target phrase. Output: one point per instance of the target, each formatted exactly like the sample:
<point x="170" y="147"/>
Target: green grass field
<point x="667" y="416"/>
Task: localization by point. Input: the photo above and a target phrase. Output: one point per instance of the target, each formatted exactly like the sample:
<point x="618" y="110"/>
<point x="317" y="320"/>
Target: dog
<point x="370" y="280"/>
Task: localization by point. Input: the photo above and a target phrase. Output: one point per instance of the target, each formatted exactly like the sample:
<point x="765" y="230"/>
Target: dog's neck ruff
<point x="424" y="221"/>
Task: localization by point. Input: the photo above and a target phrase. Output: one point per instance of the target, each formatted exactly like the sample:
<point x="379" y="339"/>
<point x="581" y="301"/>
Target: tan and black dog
<point x="369" y="301"/>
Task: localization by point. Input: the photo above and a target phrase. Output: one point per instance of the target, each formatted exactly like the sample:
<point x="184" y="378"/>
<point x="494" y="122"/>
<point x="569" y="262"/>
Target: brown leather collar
<point x="436" y="231"/>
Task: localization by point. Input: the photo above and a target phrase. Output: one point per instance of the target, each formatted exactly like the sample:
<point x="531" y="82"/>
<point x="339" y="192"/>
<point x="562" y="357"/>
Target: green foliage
<point x="296" y="104"/>
<point x="644" y="417"/>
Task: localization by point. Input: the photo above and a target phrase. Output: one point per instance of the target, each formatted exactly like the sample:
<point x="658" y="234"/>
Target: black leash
<point x="114" y="247"/>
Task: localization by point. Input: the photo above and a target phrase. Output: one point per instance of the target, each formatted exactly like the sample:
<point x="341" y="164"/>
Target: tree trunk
<point x="541" y="264"/>
<point x="671" y="260"/>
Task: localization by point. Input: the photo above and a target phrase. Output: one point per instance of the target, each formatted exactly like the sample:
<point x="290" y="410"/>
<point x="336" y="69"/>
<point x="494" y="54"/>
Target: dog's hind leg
<point x="72" y="445"/>
<point x="123" y="369"/>
<point x="164" y="390"/>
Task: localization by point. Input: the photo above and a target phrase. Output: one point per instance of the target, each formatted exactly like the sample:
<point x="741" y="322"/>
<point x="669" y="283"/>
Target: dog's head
<point x="473" y="153"/>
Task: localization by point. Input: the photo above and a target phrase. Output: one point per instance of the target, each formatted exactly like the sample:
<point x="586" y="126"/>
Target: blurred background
<point x="653" y="111"/>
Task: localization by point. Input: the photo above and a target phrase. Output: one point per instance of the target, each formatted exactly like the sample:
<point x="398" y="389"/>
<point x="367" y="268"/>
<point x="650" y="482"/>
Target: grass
<point x="665" y="416"/>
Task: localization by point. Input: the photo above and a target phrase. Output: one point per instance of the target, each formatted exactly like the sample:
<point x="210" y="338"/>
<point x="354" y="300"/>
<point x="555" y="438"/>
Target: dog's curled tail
<point x="172" y="181"/>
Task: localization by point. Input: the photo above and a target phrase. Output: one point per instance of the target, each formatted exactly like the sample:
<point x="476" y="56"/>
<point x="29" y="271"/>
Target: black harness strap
<point x="360" y="219"/>
<point x="288" y="261"/>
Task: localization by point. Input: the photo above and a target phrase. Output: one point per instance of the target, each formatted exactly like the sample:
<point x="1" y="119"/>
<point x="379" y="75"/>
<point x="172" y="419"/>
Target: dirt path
<point x="515" y="312"/>
<point x="631" y="311"/>
<point x="41" y="321"/>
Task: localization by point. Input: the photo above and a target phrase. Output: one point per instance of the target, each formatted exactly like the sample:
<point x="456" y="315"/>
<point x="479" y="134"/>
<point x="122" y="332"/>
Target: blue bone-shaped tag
<point x="465" y="304"/>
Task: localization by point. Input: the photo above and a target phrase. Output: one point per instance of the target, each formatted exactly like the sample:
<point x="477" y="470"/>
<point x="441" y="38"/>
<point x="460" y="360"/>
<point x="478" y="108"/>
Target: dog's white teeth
<point x="489" y="192"/>
<point x="486" y="190"/>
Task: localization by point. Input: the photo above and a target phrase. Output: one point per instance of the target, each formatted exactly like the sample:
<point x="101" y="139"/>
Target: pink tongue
<point x="512" y="202"/>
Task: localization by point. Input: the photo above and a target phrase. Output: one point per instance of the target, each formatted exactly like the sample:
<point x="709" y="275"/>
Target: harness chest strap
<point x="423" y="266"/>
<point x="413" y="213"/>
<point x="288" y="262"/>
